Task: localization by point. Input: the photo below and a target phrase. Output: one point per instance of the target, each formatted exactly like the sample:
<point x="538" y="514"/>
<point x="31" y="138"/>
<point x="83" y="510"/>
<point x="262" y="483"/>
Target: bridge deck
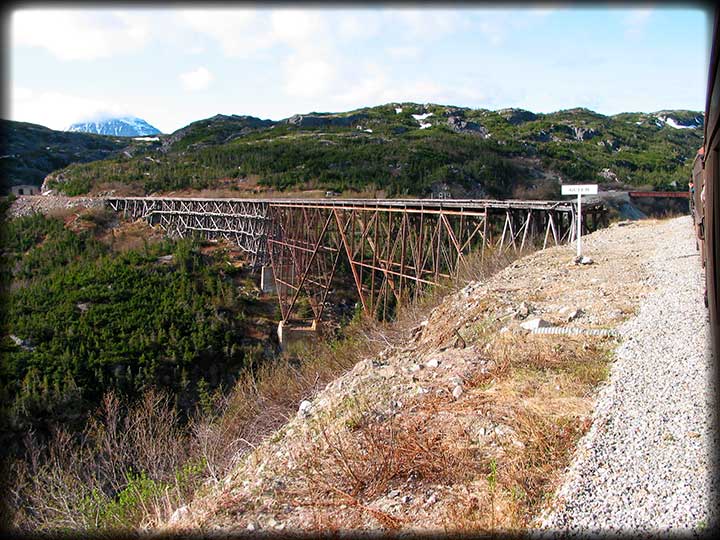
<point x="519" y="204"/>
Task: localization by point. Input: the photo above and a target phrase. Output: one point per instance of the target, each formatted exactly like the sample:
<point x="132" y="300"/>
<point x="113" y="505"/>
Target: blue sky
<point x="174" y="65"/>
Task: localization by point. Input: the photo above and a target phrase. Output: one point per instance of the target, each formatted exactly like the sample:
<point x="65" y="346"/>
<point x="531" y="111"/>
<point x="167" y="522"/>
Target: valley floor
<point x="477" y="424"/>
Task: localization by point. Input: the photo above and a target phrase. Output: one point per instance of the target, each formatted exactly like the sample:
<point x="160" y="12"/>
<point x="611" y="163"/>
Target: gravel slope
<point x="648" y="463"/>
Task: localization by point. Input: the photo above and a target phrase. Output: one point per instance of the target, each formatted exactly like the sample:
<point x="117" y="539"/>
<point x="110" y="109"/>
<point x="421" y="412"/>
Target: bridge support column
<point x="289" y="334"/>
<point x="267" y="280"/>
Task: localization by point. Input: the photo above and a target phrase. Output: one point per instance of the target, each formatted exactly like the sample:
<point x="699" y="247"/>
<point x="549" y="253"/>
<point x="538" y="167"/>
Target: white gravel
<point x="26" y="205"/>
<point x="647" y="465"/>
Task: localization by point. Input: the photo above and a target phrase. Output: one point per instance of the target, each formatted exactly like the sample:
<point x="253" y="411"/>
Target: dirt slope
<point x="467" y="427"/>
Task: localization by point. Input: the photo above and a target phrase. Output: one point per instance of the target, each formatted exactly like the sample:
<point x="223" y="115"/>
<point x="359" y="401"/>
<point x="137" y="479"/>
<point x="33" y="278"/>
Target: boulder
<point x="522" y="311"/>
<point x="574" y="314"/>
<point x="305" y="408"/>
<point x="458" y="125"/>
<point x="533" y="324"/>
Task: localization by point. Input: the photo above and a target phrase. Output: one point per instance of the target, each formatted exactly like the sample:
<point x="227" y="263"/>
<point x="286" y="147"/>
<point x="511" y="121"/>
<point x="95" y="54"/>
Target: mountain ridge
<point x="120" y="126"/>
<point x="407" y="148"/>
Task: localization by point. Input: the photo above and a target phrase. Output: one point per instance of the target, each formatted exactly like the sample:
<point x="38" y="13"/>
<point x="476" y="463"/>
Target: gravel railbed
<point x="26" y="205"/>
<point x="647" y="465"/>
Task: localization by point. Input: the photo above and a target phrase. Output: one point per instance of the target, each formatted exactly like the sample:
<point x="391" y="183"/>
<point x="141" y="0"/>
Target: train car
<point x="696" y="207"/>
<point x="710" y="193"/>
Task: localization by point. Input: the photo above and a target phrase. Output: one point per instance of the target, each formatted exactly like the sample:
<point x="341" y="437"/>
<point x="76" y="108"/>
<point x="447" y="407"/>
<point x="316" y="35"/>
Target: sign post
<point x="579" y="190"/>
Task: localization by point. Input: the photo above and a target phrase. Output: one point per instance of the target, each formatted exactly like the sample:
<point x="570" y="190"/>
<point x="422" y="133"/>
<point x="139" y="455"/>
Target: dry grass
<point x="492" y="456"/>
<point x="538" y="397"/>
<point x="346" y="471"/>
<point x="93" y="479"/>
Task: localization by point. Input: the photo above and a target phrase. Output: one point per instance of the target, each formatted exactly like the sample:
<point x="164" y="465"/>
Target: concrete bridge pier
<point x="289" y="333"/>
<point x="267" y="280"/>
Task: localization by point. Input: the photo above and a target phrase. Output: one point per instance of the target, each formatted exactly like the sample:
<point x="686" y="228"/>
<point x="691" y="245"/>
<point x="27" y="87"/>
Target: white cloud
<point x="404" y="52"/>
<point x="635" y="21"/>
<point x="369" y="87"/>
<point x="374" y="84"/>
<point x="426" y="23"/>
<point x="58" y="110"/>
<point x="198" y="79"/>
<point x="240" y="32"/>
<point x="353" y="25"/>
<point x="300" y="28"/>
<point x="308" y="77"/>
<point x="73" y="34"/>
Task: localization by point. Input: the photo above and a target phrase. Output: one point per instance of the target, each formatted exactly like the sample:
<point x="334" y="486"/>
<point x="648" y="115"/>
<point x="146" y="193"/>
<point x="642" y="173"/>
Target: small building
<point x="25" y="189"/>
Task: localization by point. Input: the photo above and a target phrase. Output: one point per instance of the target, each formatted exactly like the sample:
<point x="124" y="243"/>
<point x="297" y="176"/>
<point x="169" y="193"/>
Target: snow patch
<point x="668" y="120"/>
<point x="419" y="117"/>
<point x="147" y="138"/>
<point x="671" y="122"/>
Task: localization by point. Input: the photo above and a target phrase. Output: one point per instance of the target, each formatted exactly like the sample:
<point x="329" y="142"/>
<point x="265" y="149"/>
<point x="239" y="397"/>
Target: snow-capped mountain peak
<point x="122" y="126"/>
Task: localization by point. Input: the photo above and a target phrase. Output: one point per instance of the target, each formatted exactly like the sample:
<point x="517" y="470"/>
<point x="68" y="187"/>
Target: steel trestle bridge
<point x="391" y="247"/>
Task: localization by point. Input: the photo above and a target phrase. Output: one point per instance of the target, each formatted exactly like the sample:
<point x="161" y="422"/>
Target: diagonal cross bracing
<point x="390" y="248"/>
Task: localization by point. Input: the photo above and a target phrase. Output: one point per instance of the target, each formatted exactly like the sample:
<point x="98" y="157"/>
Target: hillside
<point x="406" y="149"/>
<point x="31" y="151"/>
<point x="92" y="305"/>
<point x="467" y="423"/>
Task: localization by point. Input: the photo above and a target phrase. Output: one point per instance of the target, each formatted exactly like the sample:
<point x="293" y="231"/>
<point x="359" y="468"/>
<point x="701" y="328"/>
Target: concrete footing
<point x="267" y="280"/>
<point x="289" y="334"/>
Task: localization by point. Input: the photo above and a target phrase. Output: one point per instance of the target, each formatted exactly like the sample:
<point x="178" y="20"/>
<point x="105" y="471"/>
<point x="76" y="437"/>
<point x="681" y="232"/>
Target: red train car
<point x="710" y="191"/>
<point x="697" y="211"/>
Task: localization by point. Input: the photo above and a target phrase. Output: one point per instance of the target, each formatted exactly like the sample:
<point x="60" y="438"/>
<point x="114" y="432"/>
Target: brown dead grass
<point x="489" y="480"/>
<point x="538" y="396"/>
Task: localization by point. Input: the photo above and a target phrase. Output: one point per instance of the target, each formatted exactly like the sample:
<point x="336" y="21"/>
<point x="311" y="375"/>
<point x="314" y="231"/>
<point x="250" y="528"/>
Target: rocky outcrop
<point x="217" y="129"/>
<point x="317" y="120"/>
<point x="541" y="136"/>
<point x="458" y="125"/>
<point x="609" y="175"/>
<point x="517" y="116"/>
<point x="584" y="134"/>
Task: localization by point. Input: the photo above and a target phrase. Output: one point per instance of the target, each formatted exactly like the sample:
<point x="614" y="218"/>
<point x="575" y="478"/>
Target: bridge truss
<point x="390" y="248"/>
<point x="244" y="222"/>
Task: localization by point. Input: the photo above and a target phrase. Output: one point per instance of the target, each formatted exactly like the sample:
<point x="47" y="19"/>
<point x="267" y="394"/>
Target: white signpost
<point x="579" y="190"/>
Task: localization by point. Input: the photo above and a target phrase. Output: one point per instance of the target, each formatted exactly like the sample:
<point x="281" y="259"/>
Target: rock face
<point x="517" y="116"/>
<point x="317" y="120"/>
<point x="459" y="125"/>
<point x="583" y="134"/>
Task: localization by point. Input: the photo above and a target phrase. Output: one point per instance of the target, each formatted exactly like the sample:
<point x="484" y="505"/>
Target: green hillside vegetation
<point x="82" y="318"/>
<point x="476" y="152"/>
<point x="31" y="151"/>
